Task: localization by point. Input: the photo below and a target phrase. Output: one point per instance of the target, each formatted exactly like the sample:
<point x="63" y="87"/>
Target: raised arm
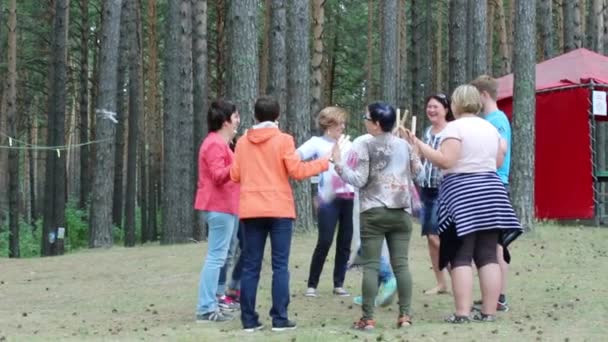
<point x="296" y="168"/>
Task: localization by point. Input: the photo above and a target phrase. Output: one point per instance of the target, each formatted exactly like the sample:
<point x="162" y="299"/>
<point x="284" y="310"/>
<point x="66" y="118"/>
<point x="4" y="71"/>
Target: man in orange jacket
<point x="265" y="159"/>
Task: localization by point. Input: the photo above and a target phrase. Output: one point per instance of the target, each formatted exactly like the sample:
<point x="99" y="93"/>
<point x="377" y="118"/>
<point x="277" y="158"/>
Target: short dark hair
<point x="266" y="109"/>
<point x="445" y="102"/>
<point x="219" y="112"/>
<point x="384" y="114"/>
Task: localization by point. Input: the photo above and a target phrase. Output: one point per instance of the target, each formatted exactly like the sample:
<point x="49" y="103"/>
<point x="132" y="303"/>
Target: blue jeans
<point x="256" y="231"/>
<point x="221" y="226"/>
<point x="231" y="264"/>
<point x="428" y="214"/>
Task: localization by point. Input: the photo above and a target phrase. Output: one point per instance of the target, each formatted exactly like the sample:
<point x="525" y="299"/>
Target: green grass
<point x="557" y="292"/>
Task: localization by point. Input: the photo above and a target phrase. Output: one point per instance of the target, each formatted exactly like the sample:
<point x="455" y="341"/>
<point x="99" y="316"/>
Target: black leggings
<point x="479" y="246"/>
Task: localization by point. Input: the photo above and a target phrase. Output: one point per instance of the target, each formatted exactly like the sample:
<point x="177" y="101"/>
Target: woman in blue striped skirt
<point x="474" y="211"/>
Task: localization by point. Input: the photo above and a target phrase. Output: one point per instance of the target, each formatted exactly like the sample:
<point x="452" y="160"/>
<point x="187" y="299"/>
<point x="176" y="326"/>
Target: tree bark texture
<point x="573" y="34"/>
<point x="178" y="185"/>
<point x="13" y="154"/>
<point x="122" y="115"/>
<point x="264" y="52"/>
<point x="54" y="195"/>
<point x="103" y="175"/>
<point x="85" y="156"/>
<point x="457" y="37"/>
<point x="153" y="126"/>
<point x="136" y="109"/>
<point x="503" y="44"/>
<point x="318" y="29"/>
<point x="243" y="58"/>
<point x="200" y="89"/>
<point x="277" y="83"/>
<point x="524" y="107"/>
<point x="298" y="97"/>
<point x="546" y="27"/>
<point x="389" y="71"/>
<point x="479" y="53"/>
<point x="490" y="36"/>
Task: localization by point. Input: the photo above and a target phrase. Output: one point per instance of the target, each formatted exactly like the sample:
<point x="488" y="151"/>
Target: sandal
<point x="454" y="319"/>
<point x="364" y="324"/>
<point x="404" y="321"/>
<point x="482" y="318"/>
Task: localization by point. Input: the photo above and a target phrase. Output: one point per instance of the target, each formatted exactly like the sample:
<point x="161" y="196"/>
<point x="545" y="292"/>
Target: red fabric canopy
<point x="575" y="67"/>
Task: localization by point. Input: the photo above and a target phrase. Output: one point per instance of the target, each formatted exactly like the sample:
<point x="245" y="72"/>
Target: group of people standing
<point x="365" y="188"/>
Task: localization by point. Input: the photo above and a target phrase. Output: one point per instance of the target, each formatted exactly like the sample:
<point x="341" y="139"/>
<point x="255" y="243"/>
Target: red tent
<point x="567" y="180"/>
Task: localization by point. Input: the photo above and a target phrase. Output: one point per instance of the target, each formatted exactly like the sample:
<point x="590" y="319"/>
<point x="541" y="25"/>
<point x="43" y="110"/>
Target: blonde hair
<point x="488" y="84"/>
<point x="330" y="116"/>
<point x="466" y="99"/>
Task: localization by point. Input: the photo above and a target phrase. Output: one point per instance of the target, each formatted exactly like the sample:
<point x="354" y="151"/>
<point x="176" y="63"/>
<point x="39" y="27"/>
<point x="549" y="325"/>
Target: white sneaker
<point x="311" y="292"/>
<point x="340" y="291"/>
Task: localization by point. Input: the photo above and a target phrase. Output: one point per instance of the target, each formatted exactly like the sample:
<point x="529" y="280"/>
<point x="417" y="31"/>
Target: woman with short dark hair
<point x="217" y="197"/>
<point x="381" y="165"/>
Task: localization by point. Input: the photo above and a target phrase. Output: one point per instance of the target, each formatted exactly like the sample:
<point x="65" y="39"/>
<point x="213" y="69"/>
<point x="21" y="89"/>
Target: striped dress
<point x="472" y="202"/>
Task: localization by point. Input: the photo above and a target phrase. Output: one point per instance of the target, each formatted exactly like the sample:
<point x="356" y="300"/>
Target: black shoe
<point x="256" y="327"/>
<point x="287" y="325"/>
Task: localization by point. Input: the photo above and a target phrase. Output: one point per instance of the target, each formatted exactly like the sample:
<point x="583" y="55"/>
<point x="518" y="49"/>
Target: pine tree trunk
<point x="200" y="89"/>
<point x="479" y="54"/>
<point x="85" y="170"/>
<point x="298" y="97"/>
<point x="503" y="44"/>
<point x="596" y="26"/>
<point x="524" y="107"/>
<point x="545" y="16"/>
<point x="178" y="191"/>
<point x="422" y="51"/>
<point x="605" y="28"/>
<point x="122" y="115"/>
<point x="572" y="25"/>
<point x="490" y="36"/>
<point x="153" y="127"/>
<point x="103" y="172"/>
<point x="264" y="53"/>
<point x="559" y="24"/>
<point x="220" y="48"/>
<point x="277" y="83"/>
<point x="136" y="108"/>
<point x="470" y="38"/>
<point x="405" y="84"/>
<point x="369" y="79"/>
<point x="54" y="196"/>
<point x="13" y="154"/>
<point x="457" y="37"/>
<point x="318" y="16"/>
<point x="512" y="31"/>
<point x="389" y="71"/>
<point x="243" y="58"/>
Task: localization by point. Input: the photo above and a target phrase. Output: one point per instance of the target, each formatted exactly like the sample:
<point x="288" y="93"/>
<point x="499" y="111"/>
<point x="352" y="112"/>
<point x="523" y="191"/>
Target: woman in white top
<point x="474" y="212"/>
<point x="335" y="207"/>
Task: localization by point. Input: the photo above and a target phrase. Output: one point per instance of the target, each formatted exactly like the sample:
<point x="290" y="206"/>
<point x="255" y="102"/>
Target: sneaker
<point x="311" y="292"/>
<point x="500" y="306"/>
<point x="364" y="324"/>
<point x="340" y="291"/>
<point x="387" y="292"/>
<point x="481" y="317"/>
<point x="235" y="296"/>
<point x="287" y="325"/>
<point x="214" y="316"/>
<point x="256" y="327"/>
<point x="227" y="304"/>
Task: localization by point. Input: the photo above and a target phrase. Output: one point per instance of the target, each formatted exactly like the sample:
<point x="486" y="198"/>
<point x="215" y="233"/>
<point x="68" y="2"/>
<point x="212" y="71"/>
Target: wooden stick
<point x="414" y="124"/>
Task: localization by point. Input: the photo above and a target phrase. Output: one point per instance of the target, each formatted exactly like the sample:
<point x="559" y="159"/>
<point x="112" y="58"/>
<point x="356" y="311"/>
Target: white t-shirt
<point x="330" y="183"/>
<point x="480" y="142"/>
